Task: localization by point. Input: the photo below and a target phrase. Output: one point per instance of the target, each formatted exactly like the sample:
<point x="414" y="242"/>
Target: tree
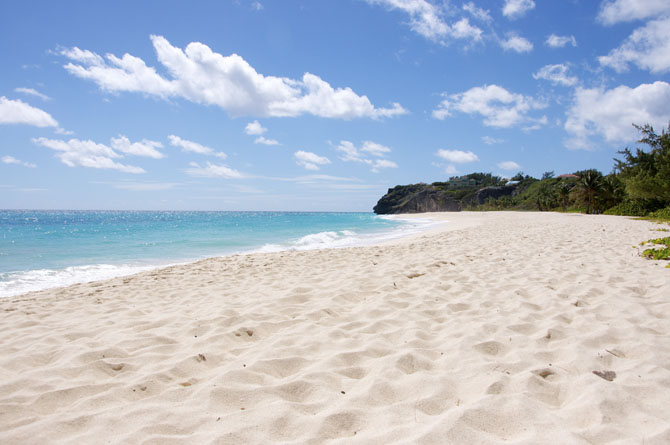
<point x="547" y="175"/>
<point x="646" y="174"/>
<point x="589" y="187"/>
<point x="564" y="190"/>
<point x="546" y="198"/>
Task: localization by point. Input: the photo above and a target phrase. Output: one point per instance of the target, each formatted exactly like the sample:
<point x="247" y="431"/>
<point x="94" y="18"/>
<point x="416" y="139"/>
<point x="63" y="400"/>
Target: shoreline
<point x="89" y="273"/>
<point x="487" y="333"/>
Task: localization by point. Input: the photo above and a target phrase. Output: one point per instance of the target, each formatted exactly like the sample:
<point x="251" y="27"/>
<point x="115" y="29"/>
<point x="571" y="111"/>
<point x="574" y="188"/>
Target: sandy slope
<point x="485" y="334"/>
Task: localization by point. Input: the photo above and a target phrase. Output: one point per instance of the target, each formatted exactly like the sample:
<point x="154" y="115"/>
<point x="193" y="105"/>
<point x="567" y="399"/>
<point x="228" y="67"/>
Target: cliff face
<point x="416" y="198"/>
<point x="493" y="192"/>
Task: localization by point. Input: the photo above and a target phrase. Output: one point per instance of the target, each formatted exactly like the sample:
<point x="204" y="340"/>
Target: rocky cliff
<point x="493" y="193"/>
<point x="416" y="198"/>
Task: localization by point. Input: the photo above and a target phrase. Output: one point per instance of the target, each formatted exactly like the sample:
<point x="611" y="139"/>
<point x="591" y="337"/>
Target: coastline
<point x="486" y="329"/>
<point x="18" y="282"/>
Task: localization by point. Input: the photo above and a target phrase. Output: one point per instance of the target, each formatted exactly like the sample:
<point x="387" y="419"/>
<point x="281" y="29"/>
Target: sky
<point x="315" y="105"/>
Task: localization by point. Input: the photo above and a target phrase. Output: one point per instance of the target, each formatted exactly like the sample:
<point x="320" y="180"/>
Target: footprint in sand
<point x="490" y="347"/>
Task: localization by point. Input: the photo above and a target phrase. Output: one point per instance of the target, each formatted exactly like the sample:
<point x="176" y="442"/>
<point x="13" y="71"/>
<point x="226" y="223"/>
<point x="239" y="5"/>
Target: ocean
<point x="45" y="249"/>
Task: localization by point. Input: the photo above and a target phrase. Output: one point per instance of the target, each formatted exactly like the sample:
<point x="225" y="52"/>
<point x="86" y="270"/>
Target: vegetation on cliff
<point x="639" y="185"/>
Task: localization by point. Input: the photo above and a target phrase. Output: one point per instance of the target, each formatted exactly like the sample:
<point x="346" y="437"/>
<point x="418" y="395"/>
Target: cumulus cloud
<point x="499" y="107"/>
<point x="309" y="160"/>
<point x="556" y="74"/>
<point x="513" y="9"/>
<point x="427" y="20"/>
<point x="75" y="152"/>
<point x="516" y="43"/>
<point x="615" y="11"/>
<point x="13" y="160"/>
<point x="32" y="92"/>
<point x="19" y="112"/>
<point x="350" y="153"/>
<point x="610" y="113"/>
<point x="210" y="170"/>
<point x="203" y="76"/>
<point x="451" y="169"/>
<point x="194" y="147"/>
<point x="509" y="165"/>
<point x="647" y="47"/>
<point x="256" y="129"/>
<point x="144" y="148"/>
<point x="265" y="141"/>
<point x="458" y="156"/>
<point x="555" y="41"/>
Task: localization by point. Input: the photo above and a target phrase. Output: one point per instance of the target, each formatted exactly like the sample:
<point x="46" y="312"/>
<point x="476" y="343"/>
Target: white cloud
<point x="555" y="41"/>
<point x="144" y="148"/>
<point x="611" y="113"/>
<point x="499" y="107"/>
<point x="476" y="12"/>
<point x="457" y="156"/>
<point x="19" y="112"/>
<point x="32" y="92"/>
<point x="647" y="47"/>
<point x="615" y="11"/>
<point x="63" y="131"/>
<point x="202" y="76"/>
<point x="266" y="141"/>
<point x="349" y="152"/>
<point x="509" y="165"/>
<point x="488" y="140"/>
<point x="309" y="160"/>
<point x="427" y="20"/>
<point x="254" y="128"/>
<point x="556" y="74"/>
<point x="75" y="152"/>
<point x="375" y="149"/>
<point x="194" y="147"/>
<point x="462" y="29"/>
<point x="213" y="171"/>
<point x="451" y="169"/>
<point x="513" y="9"/>
<point x="13" y="160"/>
<point x="516" y="43"/>
<point x="256" y="5"/>
<point x="382" y="163"/>
<point x="353" y="154"/>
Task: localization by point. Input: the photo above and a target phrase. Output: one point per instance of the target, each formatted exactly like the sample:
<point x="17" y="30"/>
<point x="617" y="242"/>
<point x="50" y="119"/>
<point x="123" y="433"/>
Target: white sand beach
<point x="485" y="330"/>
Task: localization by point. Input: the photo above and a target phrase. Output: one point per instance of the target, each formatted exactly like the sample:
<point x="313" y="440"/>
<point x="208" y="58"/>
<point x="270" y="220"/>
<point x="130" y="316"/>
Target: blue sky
<point x="314" y="105"/>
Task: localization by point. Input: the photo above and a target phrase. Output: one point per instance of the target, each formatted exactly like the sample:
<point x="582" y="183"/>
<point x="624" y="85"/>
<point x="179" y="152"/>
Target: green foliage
<point x="589" y="187"/>
<point x="655" y="253"/>
<point x="646" y="174"/>
<point x="663" y="214"/>
<point x="639" y="186"/>
<point x="627" y="208"/>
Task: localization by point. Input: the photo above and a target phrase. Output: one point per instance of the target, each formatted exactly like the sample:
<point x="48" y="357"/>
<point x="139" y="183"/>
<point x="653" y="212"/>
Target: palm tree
<point x="564" y="194"/>
<point x="590" y="186"/>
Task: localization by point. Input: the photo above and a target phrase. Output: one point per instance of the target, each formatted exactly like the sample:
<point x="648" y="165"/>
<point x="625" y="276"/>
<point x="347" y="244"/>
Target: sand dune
<point x="489" y="332"/>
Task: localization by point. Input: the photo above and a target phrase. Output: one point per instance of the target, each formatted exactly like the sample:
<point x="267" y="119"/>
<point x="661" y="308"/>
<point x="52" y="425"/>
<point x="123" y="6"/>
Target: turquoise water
<point x="42" y="249"/>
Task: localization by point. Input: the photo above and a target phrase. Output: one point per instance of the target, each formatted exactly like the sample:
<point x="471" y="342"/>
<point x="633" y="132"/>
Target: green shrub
<point x="663" y="214"/>
<point x="627" y="208"/>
